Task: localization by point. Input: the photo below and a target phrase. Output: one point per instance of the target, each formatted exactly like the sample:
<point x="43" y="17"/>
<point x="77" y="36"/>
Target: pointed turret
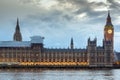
<point x="17" y="25"/>
<point x="108" y="21"/>
<point x="71" y="44"/>
<point x="17" y="34"/>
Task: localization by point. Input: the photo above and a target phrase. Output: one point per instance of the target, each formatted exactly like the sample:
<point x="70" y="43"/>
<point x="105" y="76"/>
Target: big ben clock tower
<point x="109" y="41"/>
<point x="109" y="30"/>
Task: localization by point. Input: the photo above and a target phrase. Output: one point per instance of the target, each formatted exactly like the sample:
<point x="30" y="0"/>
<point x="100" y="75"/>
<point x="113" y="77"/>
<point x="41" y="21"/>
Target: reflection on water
<point x="59" y="74"/>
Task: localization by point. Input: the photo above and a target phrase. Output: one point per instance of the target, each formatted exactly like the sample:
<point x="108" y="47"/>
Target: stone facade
<point x="34" y="53"/>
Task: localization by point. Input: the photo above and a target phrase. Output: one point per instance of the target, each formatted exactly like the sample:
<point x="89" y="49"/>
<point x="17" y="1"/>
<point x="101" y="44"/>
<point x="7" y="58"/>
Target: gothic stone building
<point x="27" y="53"/>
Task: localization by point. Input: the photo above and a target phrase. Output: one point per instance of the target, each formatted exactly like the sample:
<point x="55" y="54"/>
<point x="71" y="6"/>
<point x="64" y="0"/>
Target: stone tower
<point x="17" y="35"/>
<point x="109" y="30"/>
<point x="108" y="42"/>
<point x="91" y="50"/>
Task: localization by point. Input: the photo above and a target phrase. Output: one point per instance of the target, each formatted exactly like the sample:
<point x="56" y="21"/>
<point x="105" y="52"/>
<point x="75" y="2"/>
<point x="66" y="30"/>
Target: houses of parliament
<point x="33" y="52"/>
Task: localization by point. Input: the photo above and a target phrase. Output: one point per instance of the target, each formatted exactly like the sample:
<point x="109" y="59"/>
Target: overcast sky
<point x="59" y="20"/>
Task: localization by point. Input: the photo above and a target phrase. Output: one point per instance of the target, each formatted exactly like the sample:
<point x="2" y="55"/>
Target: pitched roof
<point x="15" y="44"/>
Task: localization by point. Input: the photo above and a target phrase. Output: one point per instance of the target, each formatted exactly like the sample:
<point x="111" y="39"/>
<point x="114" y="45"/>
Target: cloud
<point x="27" y="1"/>
<point x="59" y="20"/>
<point x="113" y="4"/>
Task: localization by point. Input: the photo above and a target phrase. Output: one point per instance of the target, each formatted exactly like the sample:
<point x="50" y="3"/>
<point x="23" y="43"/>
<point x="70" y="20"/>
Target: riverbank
<point x="56" y="67"/>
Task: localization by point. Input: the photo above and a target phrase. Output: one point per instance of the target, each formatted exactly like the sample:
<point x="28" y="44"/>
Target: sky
<point x="60" y="20"/>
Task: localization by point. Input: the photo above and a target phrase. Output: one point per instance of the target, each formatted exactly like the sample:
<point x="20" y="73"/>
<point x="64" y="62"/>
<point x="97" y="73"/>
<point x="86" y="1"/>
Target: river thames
<point x="60" y="74"/>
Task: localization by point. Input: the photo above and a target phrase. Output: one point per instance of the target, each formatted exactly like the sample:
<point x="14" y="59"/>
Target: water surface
<point x="59" y="74"/>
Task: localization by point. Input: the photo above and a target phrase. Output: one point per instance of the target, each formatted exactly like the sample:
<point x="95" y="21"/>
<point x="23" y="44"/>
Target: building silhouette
<point x="34" y="53"/>
<point x="71" y="44"/>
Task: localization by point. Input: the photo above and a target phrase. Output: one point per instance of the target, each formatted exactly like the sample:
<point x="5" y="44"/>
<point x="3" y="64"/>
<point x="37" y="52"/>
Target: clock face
<point x="109" y="31"/>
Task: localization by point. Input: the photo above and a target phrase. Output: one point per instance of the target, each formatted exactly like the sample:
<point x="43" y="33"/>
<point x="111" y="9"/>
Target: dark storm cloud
<point x="55" y="16"/>
<point x="84" y="6"/>
<point x="89" y="8"/>
<point x="114" y="4"/>
<point x="51" y="16"/>
<point x="67" y="14"/>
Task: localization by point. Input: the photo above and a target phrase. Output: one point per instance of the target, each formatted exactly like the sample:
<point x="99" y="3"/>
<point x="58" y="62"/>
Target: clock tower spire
<point x="108" y="22"/>
<point x="108" y="29"/>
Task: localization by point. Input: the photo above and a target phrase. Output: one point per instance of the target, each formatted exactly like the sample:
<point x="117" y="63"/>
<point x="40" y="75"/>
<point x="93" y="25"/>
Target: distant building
<point x="34" y="53"/>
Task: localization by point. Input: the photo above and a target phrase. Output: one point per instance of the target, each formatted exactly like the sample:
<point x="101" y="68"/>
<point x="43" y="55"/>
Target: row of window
<point x="42" y="60"/>
<point x="38" y="54"/>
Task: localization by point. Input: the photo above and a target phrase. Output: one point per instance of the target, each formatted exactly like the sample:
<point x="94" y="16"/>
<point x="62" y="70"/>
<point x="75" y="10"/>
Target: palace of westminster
<point x="33" y="52"/>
